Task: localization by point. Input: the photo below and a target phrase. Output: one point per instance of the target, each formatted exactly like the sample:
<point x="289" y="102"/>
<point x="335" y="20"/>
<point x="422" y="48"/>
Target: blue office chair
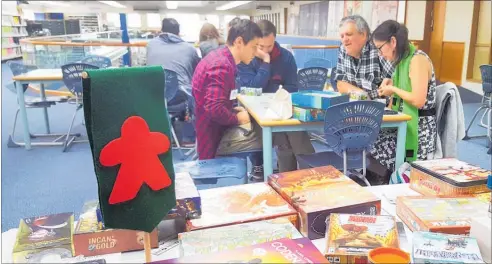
<point x="18" y="68"/>
<point x="313" y="78"/>
<point x="99" y="61"/>
<point x="317" y="62"/>
<point x="72" y="78"/>
<point x="176" y="109"/>
<point x="333" y="81"/>
<point x="486" y="106"/>
<point x="350" y="130"/>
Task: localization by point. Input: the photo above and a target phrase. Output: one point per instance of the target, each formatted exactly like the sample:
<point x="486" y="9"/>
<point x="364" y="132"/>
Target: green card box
<point x="308" y="114"/>
<point x="318" y="99"/>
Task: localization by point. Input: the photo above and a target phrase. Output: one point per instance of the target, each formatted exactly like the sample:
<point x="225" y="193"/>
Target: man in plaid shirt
<point x="214" y="88"/>
<point x="359" y="66"/>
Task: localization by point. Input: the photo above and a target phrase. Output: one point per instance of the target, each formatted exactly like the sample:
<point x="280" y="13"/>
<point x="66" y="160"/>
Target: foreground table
<point x="385" y="192"/>
<point x="258" y="105"/>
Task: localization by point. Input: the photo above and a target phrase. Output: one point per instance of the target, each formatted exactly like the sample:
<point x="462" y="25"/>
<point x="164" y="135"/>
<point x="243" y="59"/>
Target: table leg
<point x="267" y="152"/>
<point x="400" y="144"/>
<point x="45" y="109"/>
<point x="23" y="114"/>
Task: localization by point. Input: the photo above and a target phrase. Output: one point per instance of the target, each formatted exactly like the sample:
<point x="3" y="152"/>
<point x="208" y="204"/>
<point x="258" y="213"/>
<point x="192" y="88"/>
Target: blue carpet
<point x="46" y="180"/>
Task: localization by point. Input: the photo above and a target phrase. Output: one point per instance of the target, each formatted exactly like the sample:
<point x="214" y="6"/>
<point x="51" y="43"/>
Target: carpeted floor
<point x="46" y="180"/>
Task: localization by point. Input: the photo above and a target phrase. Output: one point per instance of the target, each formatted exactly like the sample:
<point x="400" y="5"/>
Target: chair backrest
<point x="317" y="62"/>
<point x="333" y="82"/>
<point x="172" y="84"/>
<point x="19" y="68"/>
<point x="353" y="127"/>
<point x="486" y="72"/>
<point x="72" y="76"/>
<point x="99" y="61"/>
<point x="313" y="78"/>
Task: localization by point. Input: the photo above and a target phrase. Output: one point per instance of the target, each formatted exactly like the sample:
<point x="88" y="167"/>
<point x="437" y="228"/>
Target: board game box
<point x="318" y="192"/>
<point x="441" y="248"/>
<point x="38" y="236"/>
<point x="350" y="237"/>
<point x="90" y="239"/>
<point x="188" y="202"/>
<point x="308" y="114"/>
<point x="245" y="203"/>
<point x="279" y="251"/>
<point x="449" y="177"/>
<point x="440" y="214"/>
<point x="318" y="99"/>
<point x="210" y="240"/>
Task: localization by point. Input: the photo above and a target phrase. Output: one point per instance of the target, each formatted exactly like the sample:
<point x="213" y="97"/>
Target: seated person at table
<point x="173" y="53"/>
<point x="209" y="39"/>
<point x="413" y="92"/>
<point x="274" y="66"/>
<point x="359" y="68"/>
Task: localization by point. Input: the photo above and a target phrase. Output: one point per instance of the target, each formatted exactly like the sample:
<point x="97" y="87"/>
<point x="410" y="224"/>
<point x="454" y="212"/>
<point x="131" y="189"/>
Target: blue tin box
<point x="214" y="173"/>
<point x="308" y="114"/>
<point x="318" y="99"/>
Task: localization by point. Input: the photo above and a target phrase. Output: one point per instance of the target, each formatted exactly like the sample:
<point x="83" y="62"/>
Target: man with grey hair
<point x="359" y="66"/>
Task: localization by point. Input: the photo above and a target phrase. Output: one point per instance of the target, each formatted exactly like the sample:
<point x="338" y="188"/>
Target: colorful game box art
<point x="210" y="240"/>
<point x="245" y="203"/>
<point x="318" y="192"/>
<point x="449" y="177"/>
<point x="440" y="248"/>
<point x="350" y="237"/>
<point x="278" y="251"/>
<point x="308" y="114"/>
<point x="188" y="202"/>
<point x="440" y="214"/>
<point x="40" y="236"/>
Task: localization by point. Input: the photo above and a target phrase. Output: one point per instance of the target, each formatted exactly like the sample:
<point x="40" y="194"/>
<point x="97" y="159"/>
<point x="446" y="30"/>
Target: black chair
<point x="72" y="77"/>
<point x="313" y="78"/>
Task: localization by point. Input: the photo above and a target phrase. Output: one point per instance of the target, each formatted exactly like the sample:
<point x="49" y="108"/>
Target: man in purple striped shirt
<point x="212" y="85"/>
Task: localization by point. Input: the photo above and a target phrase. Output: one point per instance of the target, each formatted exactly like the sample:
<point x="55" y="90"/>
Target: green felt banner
<point x="110" y="97"/>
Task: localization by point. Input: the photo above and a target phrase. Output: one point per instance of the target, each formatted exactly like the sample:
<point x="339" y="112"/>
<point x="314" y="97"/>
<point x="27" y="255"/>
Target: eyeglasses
<point x="379" y="49"/>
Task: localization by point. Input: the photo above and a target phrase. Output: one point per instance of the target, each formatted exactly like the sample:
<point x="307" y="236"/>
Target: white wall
<point x="457" y="27"/>
<point x="415" y="13"/>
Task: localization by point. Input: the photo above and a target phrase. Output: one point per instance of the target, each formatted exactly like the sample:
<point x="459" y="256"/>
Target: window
<point x="213" y="19"/>
<point x="154" y="20"/>
<point x="113" y="19"/>
<point x="189" y="25"/>
<point x="133" y="20"/>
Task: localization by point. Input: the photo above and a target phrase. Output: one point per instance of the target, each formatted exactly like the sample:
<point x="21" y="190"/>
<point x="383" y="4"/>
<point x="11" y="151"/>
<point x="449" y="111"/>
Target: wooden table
<point x="257" y="106"/>
<point x="41" y="76"/>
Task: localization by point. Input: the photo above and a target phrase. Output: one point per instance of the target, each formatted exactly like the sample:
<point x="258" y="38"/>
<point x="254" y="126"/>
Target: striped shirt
<point x="212" y="83"/>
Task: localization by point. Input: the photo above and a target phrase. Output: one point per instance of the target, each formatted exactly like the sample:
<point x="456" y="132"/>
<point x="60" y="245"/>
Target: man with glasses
<point x="359" y="66"/>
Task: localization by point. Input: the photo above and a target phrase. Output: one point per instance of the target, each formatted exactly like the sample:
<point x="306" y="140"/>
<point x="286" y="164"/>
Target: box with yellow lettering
<point x="90" y="239"/>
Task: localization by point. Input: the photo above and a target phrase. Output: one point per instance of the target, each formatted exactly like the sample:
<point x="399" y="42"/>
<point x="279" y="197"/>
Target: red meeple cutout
<point x="137" y="151"/>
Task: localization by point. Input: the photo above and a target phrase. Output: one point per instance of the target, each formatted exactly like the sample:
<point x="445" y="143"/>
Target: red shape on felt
<point x="137" y="150"/>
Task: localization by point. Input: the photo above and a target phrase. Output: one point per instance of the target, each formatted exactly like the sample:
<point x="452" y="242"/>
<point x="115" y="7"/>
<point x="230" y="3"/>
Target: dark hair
<point x="170" y="25"/>
<point x="246" y="29"/>
<point x="209" y="32"/>
<point x="267" y="28"/>
<point x="391" y="28"/>
<point x="233" y="22"/>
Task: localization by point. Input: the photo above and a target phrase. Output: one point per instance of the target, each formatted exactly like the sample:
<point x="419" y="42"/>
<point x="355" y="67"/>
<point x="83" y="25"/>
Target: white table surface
<point x="43" y="73"/>
<point x="384" y="192"/>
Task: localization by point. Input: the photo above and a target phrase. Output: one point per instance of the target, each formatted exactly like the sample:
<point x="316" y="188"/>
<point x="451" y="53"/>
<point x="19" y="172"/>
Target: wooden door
<point x="436" y="34"/>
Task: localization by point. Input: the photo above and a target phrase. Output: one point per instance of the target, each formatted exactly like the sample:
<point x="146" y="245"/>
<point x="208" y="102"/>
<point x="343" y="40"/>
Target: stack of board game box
<point x="211" y="240"/>
<point x="43" y="237"/>
<point x="240" y="204"/>
<point x="350" y="237"/>
<point x="284" y="250"/>
<point x="318" y="192"/>
<point x="310" y="106"/>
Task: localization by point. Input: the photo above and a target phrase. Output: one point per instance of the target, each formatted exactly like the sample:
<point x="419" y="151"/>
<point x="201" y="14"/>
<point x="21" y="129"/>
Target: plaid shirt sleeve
<point x="340" y="73"/>
<point x="217" y="95"/>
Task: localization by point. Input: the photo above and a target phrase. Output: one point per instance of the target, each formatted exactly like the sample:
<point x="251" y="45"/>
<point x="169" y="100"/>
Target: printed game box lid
<point x="442" y="248"/>
<point x="453" y="171"/>
<point x="444" y="212"/>
<point x="245" y="203"/>
<point x="321" y="188"/>
<point x="88" y="222"/>
<point x="351" y="234"/>
<point x="44" y="231"/>
<point x="210" y="240"/>
<point x="279" y="251"/>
